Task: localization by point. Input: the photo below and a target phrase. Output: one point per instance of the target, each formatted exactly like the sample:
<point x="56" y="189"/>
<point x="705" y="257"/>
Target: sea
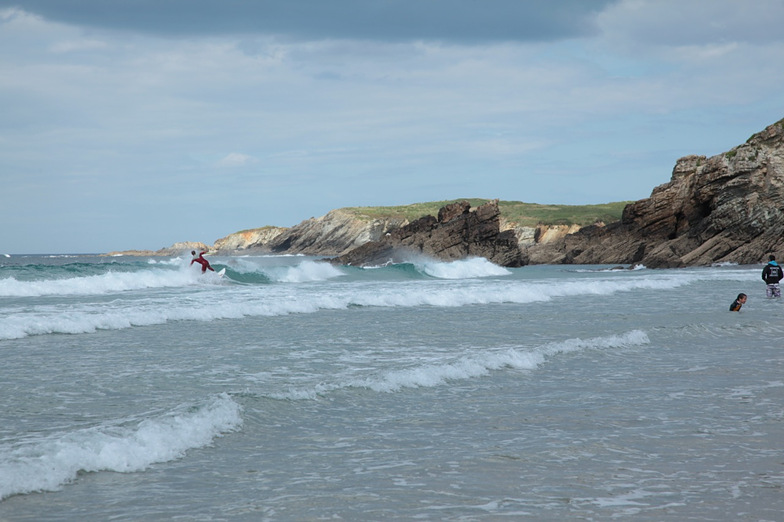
<point x="291" y="389"/>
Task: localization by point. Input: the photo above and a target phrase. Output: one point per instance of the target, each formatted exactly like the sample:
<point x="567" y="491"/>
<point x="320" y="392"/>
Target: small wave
<point x="475" y="366"/>
<point x="461" y="269"/>
<point x="304" y="272"/>
<point x="173" y="261"/>
<point x="48" y="464"/>
<point x="90" y="317"/>
<point x="277" y="299"/>
<point x="616" y="268"/>
<point x="422" y="267"/>
<point x="104" y="283"/>
<point x="471" y="366"/>
<point x="724" y="263"/>
<point x="264" y="270"/>
<point x="464" y="368"/>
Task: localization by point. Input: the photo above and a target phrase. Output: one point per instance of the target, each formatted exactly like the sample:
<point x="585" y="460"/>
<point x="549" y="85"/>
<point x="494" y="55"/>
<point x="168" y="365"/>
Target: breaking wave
<point x="48" y="463"/>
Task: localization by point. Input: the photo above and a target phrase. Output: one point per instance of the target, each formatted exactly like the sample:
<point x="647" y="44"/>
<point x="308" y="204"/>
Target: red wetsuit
<point x="203" y="262"/>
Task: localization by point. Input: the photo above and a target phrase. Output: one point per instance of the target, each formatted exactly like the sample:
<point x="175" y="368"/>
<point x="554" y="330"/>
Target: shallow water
<point x="294" y="390"/>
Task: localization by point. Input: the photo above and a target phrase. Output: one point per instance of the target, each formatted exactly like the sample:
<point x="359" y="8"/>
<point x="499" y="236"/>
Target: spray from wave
<point x="111" y="280"/>
<point x="278" y="269"/>
<point x="461" y="269"/>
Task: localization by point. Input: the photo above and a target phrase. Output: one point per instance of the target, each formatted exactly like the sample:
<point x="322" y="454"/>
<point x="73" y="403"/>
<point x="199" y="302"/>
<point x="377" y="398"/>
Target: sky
<point x="141" y="123"/>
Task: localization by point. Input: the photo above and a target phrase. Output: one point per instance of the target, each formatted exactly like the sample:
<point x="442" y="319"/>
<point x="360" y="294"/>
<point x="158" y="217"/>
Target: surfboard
<point x="222" y="272"/>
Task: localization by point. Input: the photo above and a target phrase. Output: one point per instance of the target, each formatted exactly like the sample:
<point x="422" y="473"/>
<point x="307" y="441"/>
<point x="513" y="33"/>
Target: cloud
<point x="78" y="45"/>
<point x="235" y="159"/>
<point x="390" y="20"/>
<point x="675" y="23"/>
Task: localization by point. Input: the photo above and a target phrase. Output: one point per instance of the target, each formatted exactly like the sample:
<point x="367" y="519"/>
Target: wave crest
<point x="469" y="366"/>
<point x="47" y="464"/>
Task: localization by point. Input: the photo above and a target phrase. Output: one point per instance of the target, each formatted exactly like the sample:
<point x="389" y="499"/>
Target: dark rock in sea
<point x="457" y="233"/>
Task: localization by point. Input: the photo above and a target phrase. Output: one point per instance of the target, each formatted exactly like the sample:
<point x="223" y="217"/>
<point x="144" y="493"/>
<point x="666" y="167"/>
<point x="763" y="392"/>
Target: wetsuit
<point x="203" y="262"/>
<point x="772" y="274"/>
<point x="735" y="306"/>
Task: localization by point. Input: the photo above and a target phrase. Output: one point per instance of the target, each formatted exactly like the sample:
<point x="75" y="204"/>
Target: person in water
<point x="205" y="265"/>
<point x="738" y="302"/>
<point x="772" y="274"/>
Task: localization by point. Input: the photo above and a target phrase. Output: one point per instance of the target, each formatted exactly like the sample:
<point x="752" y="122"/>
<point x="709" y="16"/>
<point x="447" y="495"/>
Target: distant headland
<point x="728" y="208"/>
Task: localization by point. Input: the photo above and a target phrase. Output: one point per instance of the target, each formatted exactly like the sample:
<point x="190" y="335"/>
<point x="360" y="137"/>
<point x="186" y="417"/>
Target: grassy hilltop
<point x="524" y="214"/>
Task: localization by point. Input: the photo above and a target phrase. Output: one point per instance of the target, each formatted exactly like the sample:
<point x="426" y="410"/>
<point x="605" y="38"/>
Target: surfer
<point x="738" y="302"/>
<point x="200" y="259"/>
<point x="772" y="274"/>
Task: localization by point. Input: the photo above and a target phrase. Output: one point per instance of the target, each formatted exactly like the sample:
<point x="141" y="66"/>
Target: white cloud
<point x="235" y="159"/>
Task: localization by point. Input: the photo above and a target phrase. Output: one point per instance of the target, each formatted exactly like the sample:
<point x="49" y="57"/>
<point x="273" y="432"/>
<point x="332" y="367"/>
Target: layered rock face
<point x="335" y="233"/>
<point x="727" y="208"/>
<point x="339" y="231"/>
<point x="246" y="238"/>
<point x="457" y="233"/>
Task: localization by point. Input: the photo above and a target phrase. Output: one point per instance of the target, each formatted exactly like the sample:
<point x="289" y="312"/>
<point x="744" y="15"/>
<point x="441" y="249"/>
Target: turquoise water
<point x="290" y="389"/>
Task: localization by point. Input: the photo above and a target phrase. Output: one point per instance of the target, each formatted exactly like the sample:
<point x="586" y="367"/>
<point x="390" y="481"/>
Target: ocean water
<point x="291" y="389"/>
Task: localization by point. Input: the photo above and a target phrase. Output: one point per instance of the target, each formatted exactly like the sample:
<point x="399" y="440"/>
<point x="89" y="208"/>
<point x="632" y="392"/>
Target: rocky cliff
<point x="343" y="230"/>
<point x="726" y="208"/>
<point x="335" y="233"/>
<point x="458" y="232"/>
<point x="246" y="239"/>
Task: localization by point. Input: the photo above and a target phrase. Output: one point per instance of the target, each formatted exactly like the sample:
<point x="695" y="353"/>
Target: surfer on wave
<point x="200" y="259"/>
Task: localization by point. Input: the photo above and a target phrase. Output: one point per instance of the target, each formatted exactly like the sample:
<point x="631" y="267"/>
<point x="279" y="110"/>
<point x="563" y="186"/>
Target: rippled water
<point x="293" y="390"/>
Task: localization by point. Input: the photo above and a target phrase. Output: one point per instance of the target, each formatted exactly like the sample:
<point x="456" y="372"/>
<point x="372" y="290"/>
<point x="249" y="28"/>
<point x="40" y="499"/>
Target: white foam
<point x="461" y="269"/>
<point x="303" y="272"/>
<point x="174" y="261"/>
<point x="469" y="366"/>
<point x="45" y="465"/>
<point x="279" y="269"/>
<point x="109" y="282"/>
<point x="464" y="368"/>
<point x="236" y="301"/>
<point x="271" y="300"/>
<point x="478" y="365"/>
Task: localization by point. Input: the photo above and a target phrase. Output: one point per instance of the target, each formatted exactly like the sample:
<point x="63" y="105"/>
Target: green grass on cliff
<point x="524" y="214"/>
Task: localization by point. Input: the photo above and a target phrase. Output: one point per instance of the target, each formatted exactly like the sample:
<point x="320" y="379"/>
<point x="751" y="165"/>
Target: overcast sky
<point x="137" y="124"/>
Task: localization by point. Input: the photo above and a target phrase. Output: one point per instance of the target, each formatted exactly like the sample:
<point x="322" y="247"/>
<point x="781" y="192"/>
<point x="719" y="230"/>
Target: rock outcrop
<point x="333" y="234"/>
<point x="246" y="239"/>
<point x="726" y="208"/>
<point x="458" y="232"/>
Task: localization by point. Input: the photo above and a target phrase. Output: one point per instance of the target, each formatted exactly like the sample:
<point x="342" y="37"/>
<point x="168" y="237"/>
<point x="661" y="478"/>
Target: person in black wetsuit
<point x="738" y="302"/>
<point x="772" y="274"/>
